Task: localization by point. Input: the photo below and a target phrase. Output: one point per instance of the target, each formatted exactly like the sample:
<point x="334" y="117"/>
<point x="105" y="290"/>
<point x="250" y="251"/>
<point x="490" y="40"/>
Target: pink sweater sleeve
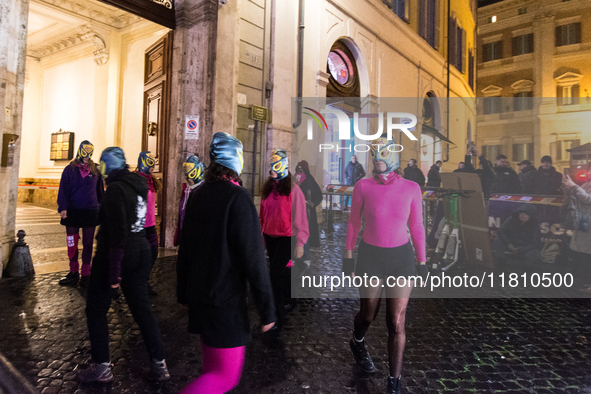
<point x="299" y="217"/>
<point x="415" y="224"/>
<point x="354" y="224"/>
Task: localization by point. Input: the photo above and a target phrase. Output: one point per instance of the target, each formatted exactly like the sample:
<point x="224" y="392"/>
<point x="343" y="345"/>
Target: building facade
<point x="119" y="77"/>
<point x="534" y="79"/>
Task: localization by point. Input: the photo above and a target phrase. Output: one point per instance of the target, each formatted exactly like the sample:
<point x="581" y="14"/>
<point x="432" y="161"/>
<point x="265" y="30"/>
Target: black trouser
<point x="279" y="249"/>
<point x="135" y="270"/>
<point x="152" y="237"/>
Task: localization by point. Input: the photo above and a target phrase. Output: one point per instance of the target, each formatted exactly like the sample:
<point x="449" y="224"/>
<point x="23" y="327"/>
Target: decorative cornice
<point x="87" y="10"/>
<point x="568" y="79"/>
<point x="207" y="10"/>
<point x="492" y="90"/>
<point x="523" y="85"/>
<point x="79" y="35"/>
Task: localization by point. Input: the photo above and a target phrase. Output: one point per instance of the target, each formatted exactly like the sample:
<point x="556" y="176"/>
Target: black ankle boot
<point x="394" y="386"/>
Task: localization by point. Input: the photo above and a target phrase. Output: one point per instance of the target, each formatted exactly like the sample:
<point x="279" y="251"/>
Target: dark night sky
<point x="482" y="3"/>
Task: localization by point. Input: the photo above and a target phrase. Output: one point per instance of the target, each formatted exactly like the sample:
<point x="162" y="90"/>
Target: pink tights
<point x="222" y="369"/>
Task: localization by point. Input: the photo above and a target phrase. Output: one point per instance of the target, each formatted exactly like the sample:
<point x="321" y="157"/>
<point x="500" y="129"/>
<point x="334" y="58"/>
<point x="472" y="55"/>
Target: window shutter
<point x="576" y="93"/>
<point x="577" y="33"/>
<point x="464" y="52"/>
<point x="558" y="95"/>
<point x="406" y="4"/>
<point x="437" y="27"/>
<point x="422" y="13"/>
<point x="471" y="70"/>
<point x="558" y="150"/>
<point x="558" y="36"/>
<point x="499" y="50"/>
<point x="515" y="46"/>
<point x="530" y="43"/>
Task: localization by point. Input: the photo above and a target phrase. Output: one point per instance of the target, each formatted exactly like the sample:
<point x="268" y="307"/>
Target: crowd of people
<point x="499" y="178"/>
<point x="222" y="242"/>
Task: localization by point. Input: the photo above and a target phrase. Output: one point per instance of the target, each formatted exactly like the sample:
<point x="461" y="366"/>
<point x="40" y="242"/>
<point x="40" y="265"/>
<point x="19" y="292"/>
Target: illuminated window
<point x="337" y="64"/>
<point x="568" y="95"/>
<point x="559" y="149"/>
<point x="491" y="151"/>
<point x="492" y="19"/>
<point x="523" y="152"/>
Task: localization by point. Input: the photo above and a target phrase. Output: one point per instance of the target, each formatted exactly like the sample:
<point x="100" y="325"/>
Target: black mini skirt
<point x="384" y="262"/>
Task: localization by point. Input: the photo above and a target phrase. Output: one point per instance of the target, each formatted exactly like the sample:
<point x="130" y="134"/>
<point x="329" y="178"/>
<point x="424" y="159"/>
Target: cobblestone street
<point x="461" y="345"/>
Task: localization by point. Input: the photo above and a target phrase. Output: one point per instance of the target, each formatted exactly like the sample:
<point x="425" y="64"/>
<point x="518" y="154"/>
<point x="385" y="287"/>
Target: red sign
<point x="343" y="73"/>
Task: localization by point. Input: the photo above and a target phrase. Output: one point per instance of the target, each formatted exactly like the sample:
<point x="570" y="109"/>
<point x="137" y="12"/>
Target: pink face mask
<point x="300" y="178"/>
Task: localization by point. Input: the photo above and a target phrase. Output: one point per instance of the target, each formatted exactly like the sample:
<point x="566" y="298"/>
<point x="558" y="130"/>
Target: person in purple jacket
<point x="79" y="197"/>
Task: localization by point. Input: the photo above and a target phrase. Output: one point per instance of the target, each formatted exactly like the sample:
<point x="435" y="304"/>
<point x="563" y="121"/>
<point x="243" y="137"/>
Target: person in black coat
<point x="434" y="176"/>
<point x="221" y="253"/>
<point x="122" y="260"/>
<point x="506" y="180"/>
<point x="519" y="238"/>
<point x="313" y="195"/>
<point x="414" y="173"/>
<point x="354" y="172"/>
<point x="547" y="180"/>
<point x="526" y="177"/>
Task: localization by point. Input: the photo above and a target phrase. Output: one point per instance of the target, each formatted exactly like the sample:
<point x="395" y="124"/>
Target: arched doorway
<point x="343" y="65"/>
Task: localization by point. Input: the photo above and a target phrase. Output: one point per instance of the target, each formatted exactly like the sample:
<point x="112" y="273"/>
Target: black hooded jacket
<point x="122" y="216"/>
<point x="548" y="182"/>
<point x="524" y="236"/>
<point x="506" y="181"/>
<point x="433" y="177"/>
<point x="527" y="179"/>
<point x="414" y="174"/>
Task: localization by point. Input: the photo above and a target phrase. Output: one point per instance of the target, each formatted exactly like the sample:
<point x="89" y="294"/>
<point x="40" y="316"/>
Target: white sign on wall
<point x="191" y="127"/>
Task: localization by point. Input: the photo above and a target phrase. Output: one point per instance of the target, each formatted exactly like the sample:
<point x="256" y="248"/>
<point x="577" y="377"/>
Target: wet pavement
<point x="453" y="345"/>
<point x="46" y="238"/>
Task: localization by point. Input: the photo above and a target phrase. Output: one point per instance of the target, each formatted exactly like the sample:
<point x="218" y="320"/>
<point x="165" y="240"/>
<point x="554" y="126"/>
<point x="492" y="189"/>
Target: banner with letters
<point x="499" y="210"/>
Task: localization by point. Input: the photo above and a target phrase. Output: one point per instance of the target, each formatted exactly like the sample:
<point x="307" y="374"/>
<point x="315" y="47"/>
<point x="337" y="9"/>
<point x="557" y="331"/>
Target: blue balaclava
<point x="112" y="158"/>
<point x="226" y="150"/>
<point x="145" y="161"/>
<point x="193" y="169"/>
<point x="279" y="163"/>
<point x="85" y="150"/>
<point x="379" y="152"/>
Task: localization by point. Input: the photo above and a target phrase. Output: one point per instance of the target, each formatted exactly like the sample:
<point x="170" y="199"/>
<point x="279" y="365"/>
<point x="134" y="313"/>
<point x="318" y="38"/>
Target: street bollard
<point x="20" y="264"/>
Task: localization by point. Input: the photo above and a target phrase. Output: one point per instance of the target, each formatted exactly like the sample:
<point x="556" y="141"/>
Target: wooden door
<point x="158" y="61"/>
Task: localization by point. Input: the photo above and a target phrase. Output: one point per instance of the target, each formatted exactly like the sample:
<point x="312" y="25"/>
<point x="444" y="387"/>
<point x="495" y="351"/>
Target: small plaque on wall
<point x="62" y="146"/>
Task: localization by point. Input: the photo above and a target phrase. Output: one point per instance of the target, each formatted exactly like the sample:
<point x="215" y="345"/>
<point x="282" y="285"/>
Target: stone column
<point x="192" y="93"/>
<point x="13" y="50"/>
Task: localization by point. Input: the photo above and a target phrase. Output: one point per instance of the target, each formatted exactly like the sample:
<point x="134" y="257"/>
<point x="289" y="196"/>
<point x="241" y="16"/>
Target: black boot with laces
<point x="361" y="355"/>
<point x="393" y="386"/>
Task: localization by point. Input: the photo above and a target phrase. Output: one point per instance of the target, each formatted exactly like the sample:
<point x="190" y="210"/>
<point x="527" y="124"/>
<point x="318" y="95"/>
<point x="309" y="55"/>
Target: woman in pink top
<point x="390" y="205"/>
<point x="285" y="227"/>
<point x="145" y="167"/>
